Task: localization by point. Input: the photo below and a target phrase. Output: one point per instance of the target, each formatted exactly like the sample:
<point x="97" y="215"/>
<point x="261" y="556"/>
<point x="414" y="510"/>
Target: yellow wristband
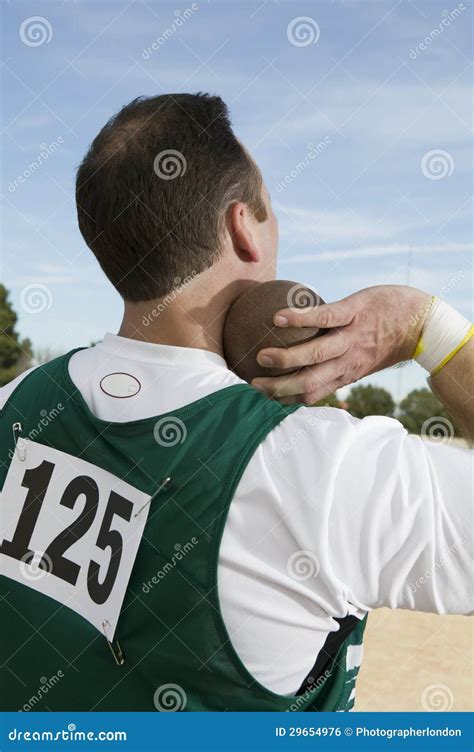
<point x="453" y="352"/>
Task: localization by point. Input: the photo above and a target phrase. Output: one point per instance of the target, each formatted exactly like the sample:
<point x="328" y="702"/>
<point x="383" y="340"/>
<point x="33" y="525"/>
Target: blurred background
<point x="358" y="114"/>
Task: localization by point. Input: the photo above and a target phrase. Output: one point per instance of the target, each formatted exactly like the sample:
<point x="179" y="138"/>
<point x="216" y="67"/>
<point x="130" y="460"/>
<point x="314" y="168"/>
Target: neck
<point x="182" y="319"/>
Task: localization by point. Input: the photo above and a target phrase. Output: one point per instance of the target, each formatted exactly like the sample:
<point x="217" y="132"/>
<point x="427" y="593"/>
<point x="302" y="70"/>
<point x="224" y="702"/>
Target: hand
<point x="369" y="330"/>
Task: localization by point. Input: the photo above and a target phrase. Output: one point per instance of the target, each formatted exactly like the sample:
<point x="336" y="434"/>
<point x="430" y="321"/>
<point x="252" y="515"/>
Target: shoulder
<point x="313" y="444"/>
<point x="330" y="428"/>
<point x="7" y="390"/>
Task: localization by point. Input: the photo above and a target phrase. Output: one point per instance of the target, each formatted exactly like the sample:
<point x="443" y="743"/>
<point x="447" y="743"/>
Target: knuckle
<point x="282" y="358"/>
<point x="295" y="319"/>
<point x="317" y="354"/>
<point x="324" y="319"/>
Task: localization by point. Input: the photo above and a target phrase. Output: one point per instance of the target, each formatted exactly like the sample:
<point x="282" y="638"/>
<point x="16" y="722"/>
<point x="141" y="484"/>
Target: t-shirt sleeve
<point x="400" y="521"/>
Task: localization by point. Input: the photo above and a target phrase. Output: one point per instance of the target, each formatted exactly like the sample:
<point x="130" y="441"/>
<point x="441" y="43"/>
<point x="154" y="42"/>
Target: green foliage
<point x="369" y="400"/>
<point x="418" y="407"/>
<point x="15" y="354"/>
<point x="331" y="401"/>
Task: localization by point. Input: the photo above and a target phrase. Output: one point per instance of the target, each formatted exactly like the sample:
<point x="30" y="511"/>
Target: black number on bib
<point x="60" y="566"/>
<point x="100" y="591"/>
<point x="37" y="480"/>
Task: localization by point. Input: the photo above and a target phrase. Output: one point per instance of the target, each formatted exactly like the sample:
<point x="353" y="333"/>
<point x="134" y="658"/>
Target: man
<point x="171" y="538"/>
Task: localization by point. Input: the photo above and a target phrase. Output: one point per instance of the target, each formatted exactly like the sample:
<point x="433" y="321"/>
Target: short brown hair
<point x="154" y="187"/>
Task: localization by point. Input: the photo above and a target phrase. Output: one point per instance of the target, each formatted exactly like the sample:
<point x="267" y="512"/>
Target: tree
<point x="15" y="354"/>
<point x="418" y="407"/>
<point x="330" y="401"/>
<point x="369" y="400"/>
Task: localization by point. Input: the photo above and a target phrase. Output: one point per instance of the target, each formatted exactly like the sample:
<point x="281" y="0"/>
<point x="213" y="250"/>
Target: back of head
<point x="249" y="325"/>
<point x="153" y="189"/>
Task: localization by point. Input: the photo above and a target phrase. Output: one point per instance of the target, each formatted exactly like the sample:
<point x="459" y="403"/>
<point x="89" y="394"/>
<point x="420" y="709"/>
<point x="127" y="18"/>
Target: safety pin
<point x="20" y="443"/>
<point x="164" y="483"/>
<point x="118" y="656"/>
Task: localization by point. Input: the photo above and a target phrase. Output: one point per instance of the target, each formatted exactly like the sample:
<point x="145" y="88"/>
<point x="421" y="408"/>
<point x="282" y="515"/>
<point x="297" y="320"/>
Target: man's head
<point x="165" y="190"/>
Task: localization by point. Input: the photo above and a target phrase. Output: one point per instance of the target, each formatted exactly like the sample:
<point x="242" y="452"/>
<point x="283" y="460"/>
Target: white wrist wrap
<point x="444" y="332"/>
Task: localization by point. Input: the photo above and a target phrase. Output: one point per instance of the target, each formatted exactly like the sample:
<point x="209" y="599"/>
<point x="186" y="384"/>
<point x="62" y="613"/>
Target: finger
<point x="325" y="316"/>
<point x="307" y="380"/>
<point x="317" y="350"/>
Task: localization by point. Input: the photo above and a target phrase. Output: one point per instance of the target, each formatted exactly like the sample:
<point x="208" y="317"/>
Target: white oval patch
<point x="120" y="385"/>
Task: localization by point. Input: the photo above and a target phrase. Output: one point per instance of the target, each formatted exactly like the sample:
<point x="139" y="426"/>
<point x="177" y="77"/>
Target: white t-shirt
<point x="333" y="515"/>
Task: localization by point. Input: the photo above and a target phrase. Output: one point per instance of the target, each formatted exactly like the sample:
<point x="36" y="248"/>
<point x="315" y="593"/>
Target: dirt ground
<point x="415" y="662"/>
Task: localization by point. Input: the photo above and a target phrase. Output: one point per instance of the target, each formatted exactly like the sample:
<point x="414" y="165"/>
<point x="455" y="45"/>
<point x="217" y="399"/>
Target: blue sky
<point x="361" y="128"/>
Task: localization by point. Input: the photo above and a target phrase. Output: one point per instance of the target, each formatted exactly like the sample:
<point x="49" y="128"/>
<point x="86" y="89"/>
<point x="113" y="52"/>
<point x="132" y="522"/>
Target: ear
<point x="240" y="225"/>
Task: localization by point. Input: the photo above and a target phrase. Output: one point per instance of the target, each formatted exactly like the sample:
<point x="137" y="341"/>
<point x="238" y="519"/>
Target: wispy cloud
<point x="390" y="249"/>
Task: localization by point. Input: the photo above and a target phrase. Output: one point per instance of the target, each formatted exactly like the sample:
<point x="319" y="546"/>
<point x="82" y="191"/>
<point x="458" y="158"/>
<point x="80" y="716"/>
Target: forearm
<point x="454" y="386"/>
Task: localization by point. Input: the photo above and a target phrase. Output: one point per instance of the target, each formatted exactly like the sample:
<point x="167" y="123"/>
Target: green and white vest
<point x="108" y="601"/>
